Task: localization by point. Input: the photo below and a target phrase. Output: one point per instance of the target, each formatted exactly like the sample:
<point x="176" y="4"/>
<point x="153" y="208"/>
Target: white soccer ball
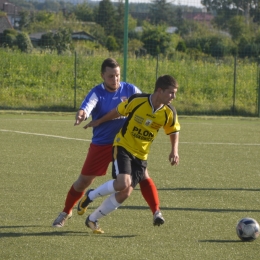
<point x="247" y="229"/>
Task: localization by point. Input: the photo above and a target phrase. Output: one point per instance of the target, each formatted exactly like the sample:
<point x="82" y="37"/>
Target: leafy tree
<point x="135" y="45"/>
<point x="106" y="17"/>
<point x="250" y="50"/>
<point x="25" y="19"/>
<point x="225" y="9"/>
<point x="219" y="49"/>
<point x="9" y="39"/>
<point x="59" y="40"/>
<point x="48" y="5"/>
<point x="23" y="42"/>
<point x="111" y="43"/>
<point x="160" y="12"/>
<point x="83" y="12"/>
<point x="62" y="40"/>
<point x="237" y="28"/>
<point x="98" y="32"/>
<point x="181" y="46"/>
<point x="155" y="38"/>
<point x="47" y="41"/>
<point x="179" y="21"/>
<point x="44" y="17"/>
<point x="119" y="29"/>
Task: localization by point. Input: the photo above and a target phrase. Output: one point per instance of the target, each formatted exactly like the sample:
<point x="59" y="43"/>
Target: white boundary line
<point x="87" y="140"/>
<point x="55" y="136"/>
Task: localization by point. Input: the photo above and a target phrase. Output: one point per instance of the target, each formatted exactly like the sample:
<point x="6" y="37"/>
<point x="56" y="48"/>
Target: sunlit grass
<point x="216" y="184"/>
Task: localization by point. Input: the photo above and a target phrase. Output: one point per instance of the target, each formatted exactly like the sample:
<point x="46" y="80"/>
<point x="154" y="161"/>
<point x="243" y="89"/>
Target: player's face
<point x="168" y="95"/>
<point x="111" y="78"/>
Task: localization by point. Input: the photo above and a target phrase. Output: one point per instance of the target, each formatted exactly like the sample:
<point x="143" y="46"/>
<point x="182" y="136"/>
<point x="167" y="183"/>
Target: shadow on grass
<point x="42" y="234"/>
<point x="201" y="189"/>
<point x="193" y="209"/>
<point x="220" y="241"/>
<point x="233" y="189"/>
<point x="56" y="233"/>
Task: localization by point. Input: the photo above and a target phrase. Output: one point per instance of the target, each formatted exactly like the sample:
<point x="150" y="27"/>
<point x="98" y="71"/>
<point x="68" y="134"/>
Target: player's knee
<point x="83" y="182"/>
<point x="122" y="182"/>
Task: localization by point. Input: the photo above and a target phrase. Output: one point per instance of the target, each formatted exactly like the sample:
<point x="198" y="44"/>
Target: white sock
<point x="110" y="204"/>
<point x="102" y="190"/>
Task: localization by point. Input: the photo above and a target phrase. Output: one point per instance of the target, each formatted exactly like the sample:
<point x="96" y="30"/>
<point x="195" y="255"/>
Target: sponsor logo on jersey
<point x="148" y="122"/>
<point x="155" y="125"/>
<point x="142" y="134"/>
<point x="139" y="119"/>
<point x="152" y="116"/>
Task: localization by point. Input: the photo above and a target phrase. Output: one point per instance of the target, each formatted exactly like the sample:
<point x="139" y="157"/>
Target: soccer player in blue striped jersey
<point x="146" y="114"/>
<point x="98" y="102"/>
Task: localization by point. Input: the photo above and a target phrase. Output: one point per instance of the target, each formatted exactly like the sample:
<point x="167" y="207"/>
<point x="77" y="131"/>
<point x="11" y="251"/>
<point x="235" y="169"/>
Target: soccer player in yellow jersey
<point x="146" y="114"/>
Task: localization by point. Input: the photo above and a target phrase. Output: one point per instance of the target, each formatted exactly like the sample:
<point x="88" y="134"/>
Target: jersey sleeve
<point x="89" y="103"/>
<point x="122" y="108"/>
<point x="172" y="125"/>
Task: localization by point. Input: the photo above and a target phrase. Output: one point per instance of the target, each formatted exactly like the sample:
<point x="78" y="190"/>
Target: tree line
<point x="234" y="30"/>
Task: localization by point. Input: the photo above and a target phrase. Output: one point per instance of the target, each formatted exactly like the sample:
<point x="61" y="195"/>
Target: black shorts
<point x="125" y="163"/>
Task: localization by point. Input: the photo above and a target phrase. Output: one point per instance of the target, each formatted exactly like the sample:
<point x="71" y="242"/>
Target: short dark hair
<point x="109" y="62"/>
<point x="165" y="81"/>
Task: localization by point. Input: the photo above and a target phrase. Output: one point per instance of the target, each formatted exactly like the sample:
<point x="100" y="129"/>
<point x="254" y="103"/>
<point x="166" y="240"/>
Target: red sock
<point x="71" y="200"/>
<point x="150" y="194"/>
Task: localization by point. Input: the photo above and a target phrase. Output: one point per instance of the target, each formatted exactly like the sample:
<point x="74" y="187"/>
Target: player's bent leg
<point x="75" y="193"/>
<point x="150" y="194"/>
<point x="123" y="195"/>
<point x="122" y="181"/>
<point x="104" y="189"/>
<point x="108" y="205"/>
<point x="83" y="182"/>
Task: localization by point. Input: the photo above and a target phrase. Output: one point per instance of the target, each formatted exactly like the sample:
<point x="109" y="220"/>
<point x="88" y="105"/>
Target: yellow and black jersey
<point x="143" y="123"/>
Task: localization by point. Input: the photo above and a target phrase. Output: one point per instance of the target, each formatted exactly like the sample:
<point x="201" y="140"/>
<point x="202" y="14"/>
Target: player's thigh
<point x="121" y="168"/>
<point x="122" y="182"/>
<point x="83" y="182"/>
<point x="121" y="161"/>
<point x="138" y="173"/>
<point x="146" y="174"/>
<point x="97" y="160"/>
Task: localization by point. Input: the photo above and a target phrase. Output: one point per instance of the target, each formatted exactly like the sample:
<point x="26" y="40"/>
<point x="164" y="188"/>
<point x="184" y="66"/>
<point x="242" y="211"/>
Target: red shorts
<point x="98" y="159"/>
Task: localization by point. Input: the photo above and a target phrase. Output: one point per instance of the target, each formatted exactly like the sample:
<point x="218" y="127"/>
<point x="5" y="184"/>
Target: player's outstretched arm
<point x="174" y="155"/>
<point x="109" y="116"/>
<point x="80" y="116"/>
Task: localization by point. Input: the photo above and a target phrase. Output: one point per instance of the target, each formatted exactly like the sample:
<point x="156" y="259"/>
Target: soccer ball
<point x="247" y="229"/>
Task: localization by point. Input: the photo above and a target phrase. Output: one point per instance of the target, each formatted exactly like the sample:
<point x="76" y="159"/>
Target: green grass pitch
<point x="216" y="184"/>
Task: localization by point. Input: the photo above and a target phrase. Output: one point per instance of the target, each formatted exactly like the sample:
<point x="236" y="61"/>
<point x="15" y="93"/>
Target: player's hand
<point x="174" y="159"/>
<point x="93" y="123"/>
<point x="80" y="116"/>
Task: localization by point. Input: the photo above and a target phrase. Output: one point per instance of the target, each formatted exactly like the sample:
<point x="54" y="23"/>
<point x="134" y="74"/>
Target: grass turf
<point x="216" y="184"/>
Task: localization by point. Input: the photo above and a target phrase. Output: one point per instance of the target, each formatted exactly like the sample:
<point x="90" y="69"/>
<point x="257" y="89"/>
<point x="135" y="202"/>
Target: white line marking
<point x="55" y="136"/>
<point x="87" y="140"/>
<point x="246" y="144"/>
